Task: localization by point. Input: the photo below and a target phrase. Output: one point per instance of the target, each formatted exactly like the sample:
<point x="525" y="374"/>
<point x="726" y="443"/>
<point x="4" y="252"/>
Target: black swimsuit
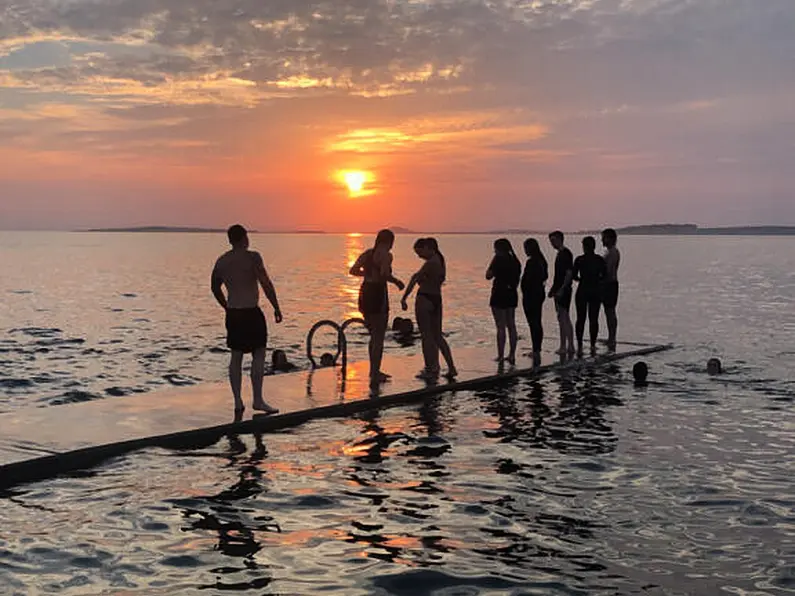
<point x="373" y="294"/>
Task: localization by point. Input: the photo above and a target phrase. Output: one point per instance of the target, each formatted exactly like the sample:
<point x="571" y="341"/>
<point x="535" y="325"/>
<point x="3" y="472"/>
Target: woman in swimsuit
<point x="505" y="271"/>
<point x="375" y="266"/>
<point x="428" y="307"/>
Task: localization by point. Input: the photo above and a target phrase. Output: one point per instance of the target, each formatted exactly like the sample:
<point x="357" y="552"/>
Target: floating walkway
<point x="44" y="442"/>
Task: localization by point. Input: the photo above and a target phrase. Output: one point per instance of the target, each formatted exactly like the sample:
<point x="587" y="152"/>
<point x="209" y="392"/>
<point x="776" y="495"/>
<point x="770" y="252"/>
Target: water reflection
<point x="226" y="513"/>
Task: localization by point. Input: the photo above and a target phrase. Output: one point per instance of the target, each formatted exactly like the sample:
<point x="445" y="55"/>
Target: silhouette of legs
<point x="533" y="310"/>
<point x="594" y="306"/>
<point x="441" y="342"/>
<point x="257" y="374"/>
<point x="236" y="377"/>
<point x="566" y="329"/>
<point x="377" y="324"/>
<point x="505" y="319"/>
<point x="424" y="312"/>
<point x="581" y="306"/>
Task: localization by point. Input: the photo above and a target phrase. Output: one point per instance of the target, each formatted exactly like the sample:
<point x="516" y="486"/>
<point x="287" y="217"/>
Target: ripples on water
<point x="574" y="484"/>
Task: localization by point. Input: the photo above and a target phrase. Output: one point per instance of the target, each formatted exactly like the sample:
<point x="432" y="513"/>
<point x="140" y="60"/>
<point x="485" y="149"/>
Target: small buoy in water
<point x="326" y="359"/>
<point x="714" y="367"/>
<point x="640" y="372"/>
<point x="279" y="361"/>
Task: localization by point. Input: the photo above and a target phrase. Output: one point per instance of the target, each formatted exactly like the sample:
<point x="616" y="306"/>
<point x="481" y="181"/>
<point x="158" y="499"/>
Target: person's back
<point x="591" y="270"/>
<point x="238" y="270"/>
<point x="612" y="260"/>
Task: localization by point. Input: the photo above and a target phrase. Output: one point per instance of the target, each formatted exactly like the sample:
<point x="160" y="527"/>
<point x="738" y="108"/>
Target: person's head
<point x="238" y="237"/>
<point x="385" y="239"/>
<point x="589" y="245"/>
<point x="532" y="249"/>
<point x="640" y="372"/>
<point x="279" y="360"/>
<point x="502" y="246"/>
<point x="556" y="239"/>
<point x="609" y="237"/>
<point x="422" y="248"/>
<point x="714" y="366"/>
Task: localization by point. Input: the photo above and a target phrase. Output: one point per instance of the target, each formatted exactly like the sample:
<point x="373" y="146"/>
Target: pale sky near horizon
<point x="445" y="114"/>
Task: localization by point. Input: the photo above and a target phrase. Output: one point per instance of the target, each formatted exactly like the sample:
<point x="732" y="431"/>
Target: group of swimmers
<point x="242" y="271"/>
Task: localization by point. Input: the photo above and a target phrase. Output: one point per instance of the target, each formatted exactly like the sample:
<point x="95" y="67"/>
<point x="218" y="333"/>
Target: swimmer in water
<point x="714" y="366"/>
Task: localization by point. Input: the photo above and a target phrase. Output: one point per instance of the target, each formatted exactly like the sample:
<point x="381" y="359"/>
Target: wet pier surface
<point x="43" y="442"/>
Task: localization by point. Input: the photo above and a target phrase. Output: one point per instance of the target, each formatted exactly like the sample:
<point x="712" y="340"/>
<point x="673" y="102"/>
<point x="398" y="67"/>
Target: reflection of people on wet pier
<point x="226" y="514"/>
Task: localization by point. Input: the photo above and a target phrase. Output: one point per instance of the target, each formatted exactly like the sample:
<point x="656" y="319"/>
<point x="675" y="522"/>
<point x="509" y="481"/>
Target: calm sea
<point x="575" y="483"/>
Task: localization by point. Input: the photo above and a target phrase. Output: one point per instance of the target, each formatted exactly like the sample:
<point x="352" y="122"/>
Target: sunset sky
<point x="436" y="115"/>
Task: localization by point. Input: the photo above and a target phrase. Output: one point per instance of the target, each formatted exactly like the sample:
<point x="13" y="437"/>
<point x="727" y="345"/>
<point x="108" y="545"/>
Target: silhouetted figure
<point x="714" y="366"/>
<point x="561" y="292"/>
<point x="610" y="291"/>
<point x="326" y="359"/>
<point x="505" y="270"/>
<point x="590" y="271"/>
<point x="536" y="273"/>
<point x="375" y="266"/>
<point x="428" y="307"/>
<point x="240" y="270"/>
<point x="640" y="372"/>
<point x="280" y="363"/>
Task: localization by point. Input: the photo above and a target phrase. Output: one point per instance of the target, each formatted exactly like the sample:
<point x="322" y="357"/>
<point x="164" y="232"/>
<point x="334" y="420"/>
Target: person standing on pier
<point x="561" y="291"/>
<point x="375" y="266"/>
<point x="610" y="291"/>
<point x="536" y="273"/>
<point x="241" y="271"/>
<point x="428" y="307"/>
<point x="505" y="270"/>
<point x="590" y="271"/>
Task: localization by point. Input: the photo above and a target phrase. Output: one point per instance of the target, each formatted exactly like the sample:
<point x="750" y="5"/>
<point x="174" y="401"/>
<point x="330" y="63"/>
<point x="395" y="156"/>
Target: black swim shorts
<point x="610" y="294"/>
<point x="246" y="329"/>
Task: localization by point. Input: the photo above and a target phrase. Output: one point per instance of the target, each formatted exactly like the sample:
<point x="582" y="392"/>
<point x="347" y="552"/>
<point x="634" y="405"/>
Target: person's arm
<point x="267" y="287"/>
<point x="216" y="285"/>
<point x="409" y="289"/>
<point x="387" y="273"/>
<point x="358" y="266"/>
<point x="576" y="269"/>
<point x="490" y="270"/>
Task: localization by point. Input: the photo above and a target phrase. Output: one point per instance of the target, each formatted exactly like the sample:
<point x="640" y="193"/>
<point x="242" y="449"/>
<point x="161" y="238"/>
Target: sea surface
<point x="573" y="483"/>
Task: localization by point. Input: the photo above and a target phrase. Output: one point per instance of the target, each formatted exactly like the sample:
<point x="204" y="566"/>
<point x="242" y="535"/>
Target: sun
<point x="356" y="181"/>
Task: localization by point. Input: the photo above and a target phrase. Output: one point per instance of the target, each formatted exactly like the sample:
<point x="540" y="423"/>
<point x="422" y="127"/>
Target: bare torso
<point x="238" y="270"/>
<point x="612" y="260"/>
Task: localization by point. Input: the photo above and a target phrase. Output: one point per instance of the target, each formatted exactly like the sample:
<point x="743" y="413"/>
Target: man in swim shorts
<point x="240" y="270"/>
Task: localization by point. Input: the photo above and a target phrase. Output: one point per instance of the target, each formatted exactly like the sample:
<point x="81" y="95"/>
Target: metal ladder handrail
<point x="342" y="342"/>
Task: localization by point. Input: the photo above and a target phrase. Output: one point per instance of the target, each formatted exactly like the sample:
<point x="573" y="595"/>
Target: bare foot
<point x="265" y="408"/>
<point x="451" y="373"/>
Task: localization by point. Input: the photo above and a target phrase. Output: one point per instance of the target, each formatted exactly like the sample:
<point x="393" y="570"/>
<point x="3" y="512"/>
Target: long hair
<point x="503" y="246"/>
<point x="533" y="250"/>
<point x="434" y="246"/>
<point x="385" y="237"/>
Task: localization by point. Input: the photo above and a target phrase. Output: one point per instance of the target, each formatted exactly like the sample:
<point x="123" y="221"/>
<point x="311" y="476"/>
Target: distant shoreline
<point x="640" y="230"/>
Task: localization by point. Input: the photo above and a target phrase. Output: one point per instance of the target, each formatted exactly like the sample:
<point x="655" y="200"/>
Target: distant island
<point x="189" y="230"/>
<point x="694" y="230"/>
